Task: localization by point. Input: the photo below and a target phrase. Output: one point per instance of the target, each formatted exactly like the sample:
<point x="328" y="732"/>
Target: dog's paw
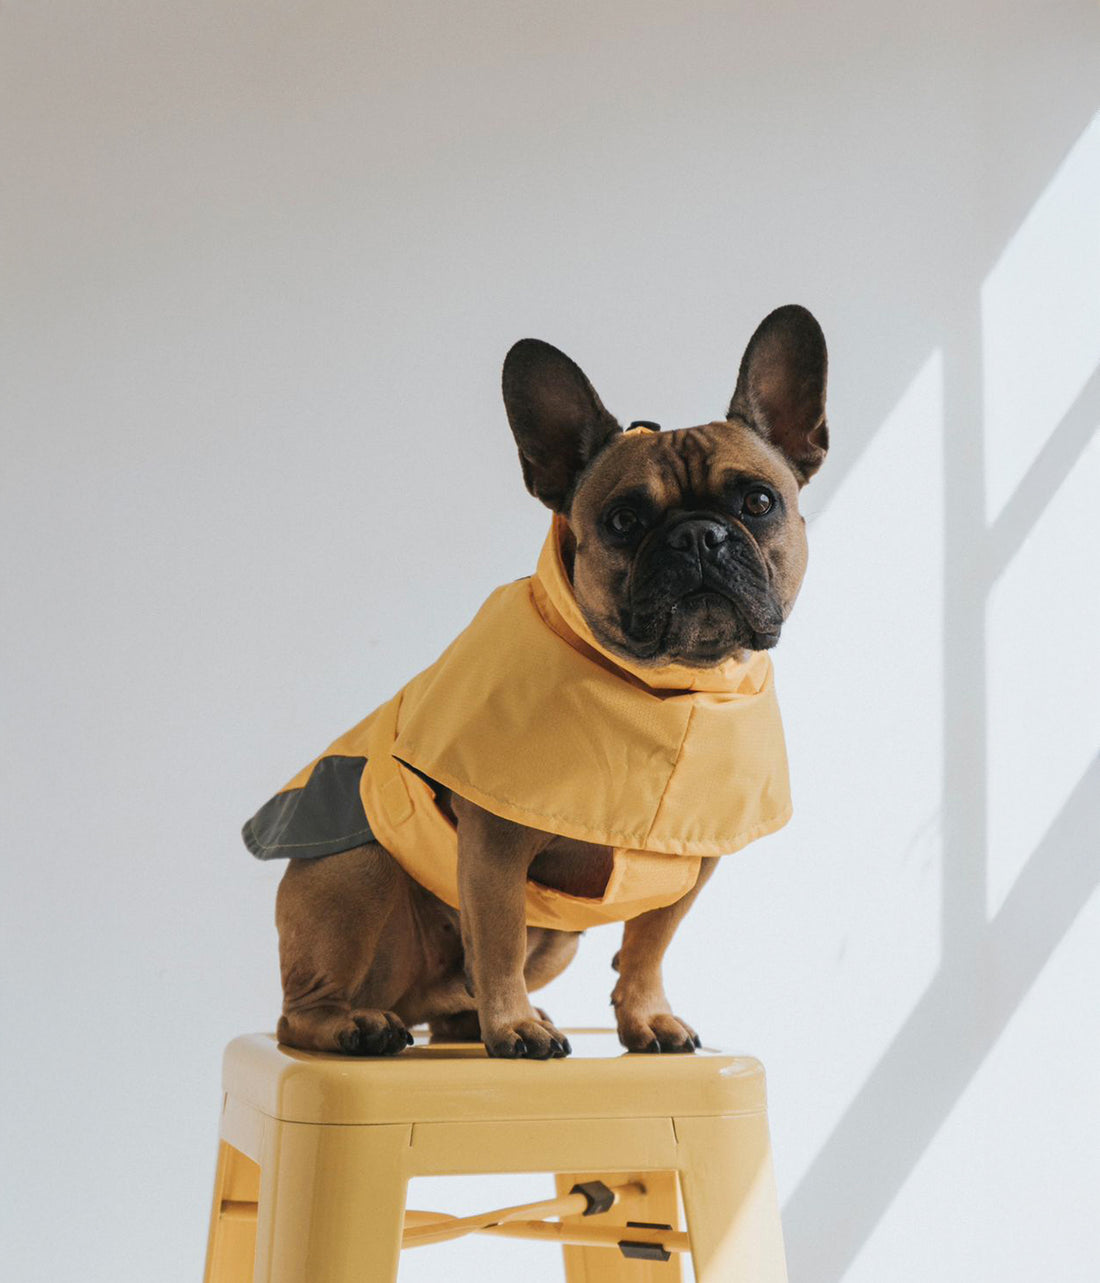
<point x="659" y="1032"/>
<point x="535" y="1039"/>
<point x="371" y="1033"/>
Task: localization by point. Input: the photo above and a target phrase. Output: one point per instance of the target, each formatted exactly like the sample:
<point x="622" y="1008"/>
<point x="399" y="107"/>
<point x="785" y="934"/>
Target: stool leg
<point x="231" y="1247"/>
<point x="730" y="1199"/>
<point x="658" y="1205"/>
<point x="332" y="1203"/>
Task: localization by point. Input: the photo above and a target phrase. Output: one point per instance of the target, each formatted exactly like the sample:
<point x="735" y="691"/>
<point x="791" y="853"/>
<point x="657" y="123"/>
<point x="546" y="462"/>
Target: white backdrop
<point x="262" y="263"/>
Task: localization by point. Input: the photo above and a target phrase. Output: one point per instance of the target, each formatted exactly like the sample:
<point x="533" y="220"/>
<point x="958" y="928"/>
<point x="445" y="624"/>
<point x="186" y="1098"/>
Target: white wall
<point x="262" y="263"/>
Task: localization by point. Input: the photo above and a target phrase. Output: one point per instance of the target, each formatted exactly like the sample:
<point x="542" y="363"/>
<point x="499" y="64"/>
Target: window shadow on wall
<point x="989" y="958"/>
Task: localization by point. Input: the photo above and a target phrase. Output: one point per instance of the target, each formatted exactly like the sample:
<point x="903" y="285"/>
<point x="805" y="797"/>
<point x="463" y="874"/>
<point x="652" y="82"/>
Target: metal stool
<point x="316" y="1152"/>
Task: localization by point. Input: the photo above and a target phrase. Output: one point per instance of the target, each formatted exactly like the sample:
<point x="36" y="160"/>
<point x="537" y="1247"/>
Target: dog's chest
<point x="575" y="868"/>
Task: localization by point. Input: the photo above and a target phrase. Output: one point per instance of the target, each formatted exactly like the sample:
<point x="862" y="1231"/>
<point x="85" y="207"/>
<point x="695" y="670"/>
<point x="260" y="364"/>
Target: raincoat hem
<point x="566" y="826"/>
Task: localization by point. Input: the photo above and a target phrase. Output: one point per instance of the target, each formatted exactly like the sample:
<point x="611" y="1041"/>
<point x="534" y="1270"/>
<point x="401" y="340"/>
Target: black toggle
<point x="600" y="1198"/>
<point x="644" y="1251"/>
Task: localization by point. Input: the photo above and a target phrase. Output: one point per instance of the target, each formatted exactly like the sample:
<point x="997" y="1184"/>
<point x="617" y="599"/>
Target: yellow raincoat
<point x="528" y="716"/>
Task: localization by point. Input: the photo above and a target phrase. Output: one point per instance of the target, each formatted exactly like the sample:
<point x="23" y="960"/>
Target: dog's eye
<point x="757" y="502"/>
<point x="622" y="521"/>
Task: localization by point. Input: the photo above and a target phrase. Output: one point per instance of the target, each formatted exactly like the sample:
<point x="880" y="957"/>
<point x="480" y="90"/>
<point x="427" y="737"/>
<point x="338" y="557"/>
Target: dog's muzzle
<point x="690" y="564"/>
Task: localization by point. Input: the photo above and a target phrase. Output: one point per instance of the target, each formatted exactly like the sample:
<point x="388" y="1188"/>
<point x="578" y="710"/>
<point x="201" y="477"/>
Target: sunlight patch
<point x="1044" y="697"/>
<point x="1041" y="320"/>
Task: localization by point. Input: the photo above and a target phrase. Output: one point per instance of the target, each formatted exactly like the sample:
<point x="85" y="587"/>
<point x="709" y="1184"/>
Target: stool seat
<point x="316" y="1152"/>
<point x="445" y="1082"/>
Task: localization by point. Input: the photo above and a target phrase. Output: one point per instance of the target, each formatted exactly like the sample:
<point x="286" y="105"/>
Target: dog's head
<point x="684" y="546"/>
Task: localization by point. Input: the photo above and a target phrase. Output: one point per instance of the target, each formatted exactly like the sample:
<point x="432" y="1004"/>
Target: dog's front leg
<point x="493" y="858"/>
<point x="641" y="1009"/>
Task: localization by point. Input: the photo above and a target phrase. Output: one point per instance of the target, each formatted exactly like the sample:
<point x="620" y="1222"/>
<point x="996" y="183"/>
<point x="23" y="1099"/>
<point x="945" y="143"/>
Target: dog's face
<point x="686" y="546"/>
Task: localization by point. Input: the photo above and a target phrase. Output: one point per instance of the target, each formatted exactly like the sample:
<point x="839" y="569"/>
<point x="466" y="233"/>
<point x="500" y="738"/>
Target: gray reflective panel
<point x="323" y="817"/>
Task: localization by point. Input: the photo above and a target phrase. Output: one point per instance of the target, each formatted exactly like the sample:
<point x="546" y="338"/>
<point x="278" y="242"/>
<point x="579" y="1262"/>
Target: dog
<point x="581" y="753"/>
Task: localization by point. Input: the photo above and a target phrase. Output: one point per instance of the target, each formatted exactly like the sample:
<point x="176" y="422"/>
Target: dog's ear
<point x="557" y="419"/>
<point x="781" y="387"/>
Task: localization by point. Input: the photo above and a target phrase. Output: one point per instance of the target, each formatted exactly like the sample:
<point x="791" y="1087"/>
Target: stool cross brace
<point x="527" y="1220"/>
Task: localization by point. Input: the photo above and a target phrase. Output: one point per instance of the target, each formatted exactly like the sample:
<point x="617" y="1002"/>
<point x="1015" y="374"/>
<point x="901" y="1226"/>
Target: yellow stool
<point x="316" y="1152"/>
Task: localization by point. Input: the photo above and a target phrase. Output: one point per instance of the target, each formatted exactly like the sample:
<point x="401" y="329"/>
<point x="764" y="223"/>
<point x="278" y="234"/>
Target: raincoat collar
<point x="553" y="594"/>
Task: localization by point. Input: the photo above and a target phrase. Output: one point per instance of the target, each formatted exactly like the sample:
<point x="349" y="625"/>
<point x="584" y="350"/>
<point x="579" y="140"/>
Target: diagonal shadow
<point x="986" y="968"/>
<point x="913" y="1088"/>
<point x="1053" y="464"/>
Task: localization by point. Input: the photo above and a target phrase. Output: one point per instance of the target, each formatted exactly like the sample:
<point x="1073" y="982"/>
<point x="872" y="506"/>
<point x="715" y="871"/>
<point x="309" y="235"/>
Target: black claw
<point x="567" y="1047"/>
<point x="409" y="1039"/>
<point x="654" y="1047"/>
<point x="696" y="1040"/>
<point x="519" y="1048"/>
<point x="556" y="1049"/>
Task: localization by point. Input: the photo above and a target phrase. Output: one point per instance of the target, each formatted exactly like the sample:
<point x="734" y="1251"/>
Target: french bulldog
<point x="684" y="550"/>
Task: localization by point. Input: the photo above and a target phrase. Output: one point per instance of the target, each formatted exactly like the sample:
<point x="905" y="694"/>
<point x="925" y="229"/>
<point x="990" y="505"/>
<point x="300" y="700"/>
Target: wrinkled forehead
<point x="688" y="463"/>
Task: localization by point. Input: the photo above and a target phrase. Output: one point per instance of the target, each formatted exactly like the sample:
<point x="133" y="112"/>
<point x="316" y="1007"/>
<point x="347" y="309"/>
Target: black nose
<point x="698" y="534"/>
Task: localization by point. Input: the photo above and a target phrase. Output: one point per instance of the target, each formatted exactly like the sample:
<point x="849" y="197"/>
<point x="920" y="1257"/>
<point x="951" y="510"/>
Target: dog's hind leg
<point x="462" y="1026"/>
<point x="331" y="914"/>
<point x="548" y="954"/>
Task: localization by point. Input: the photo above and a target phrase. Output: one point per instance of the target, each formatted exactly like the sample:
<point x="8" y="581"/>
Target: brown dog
<point x="683" y="548"/>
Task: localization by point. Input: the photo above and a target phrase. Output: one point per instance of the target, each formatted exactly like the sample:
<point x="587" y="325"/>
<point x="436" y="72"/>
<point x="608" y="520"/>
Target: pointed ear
<point x="781" y="387"/>
<point x="557" y="419"/>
